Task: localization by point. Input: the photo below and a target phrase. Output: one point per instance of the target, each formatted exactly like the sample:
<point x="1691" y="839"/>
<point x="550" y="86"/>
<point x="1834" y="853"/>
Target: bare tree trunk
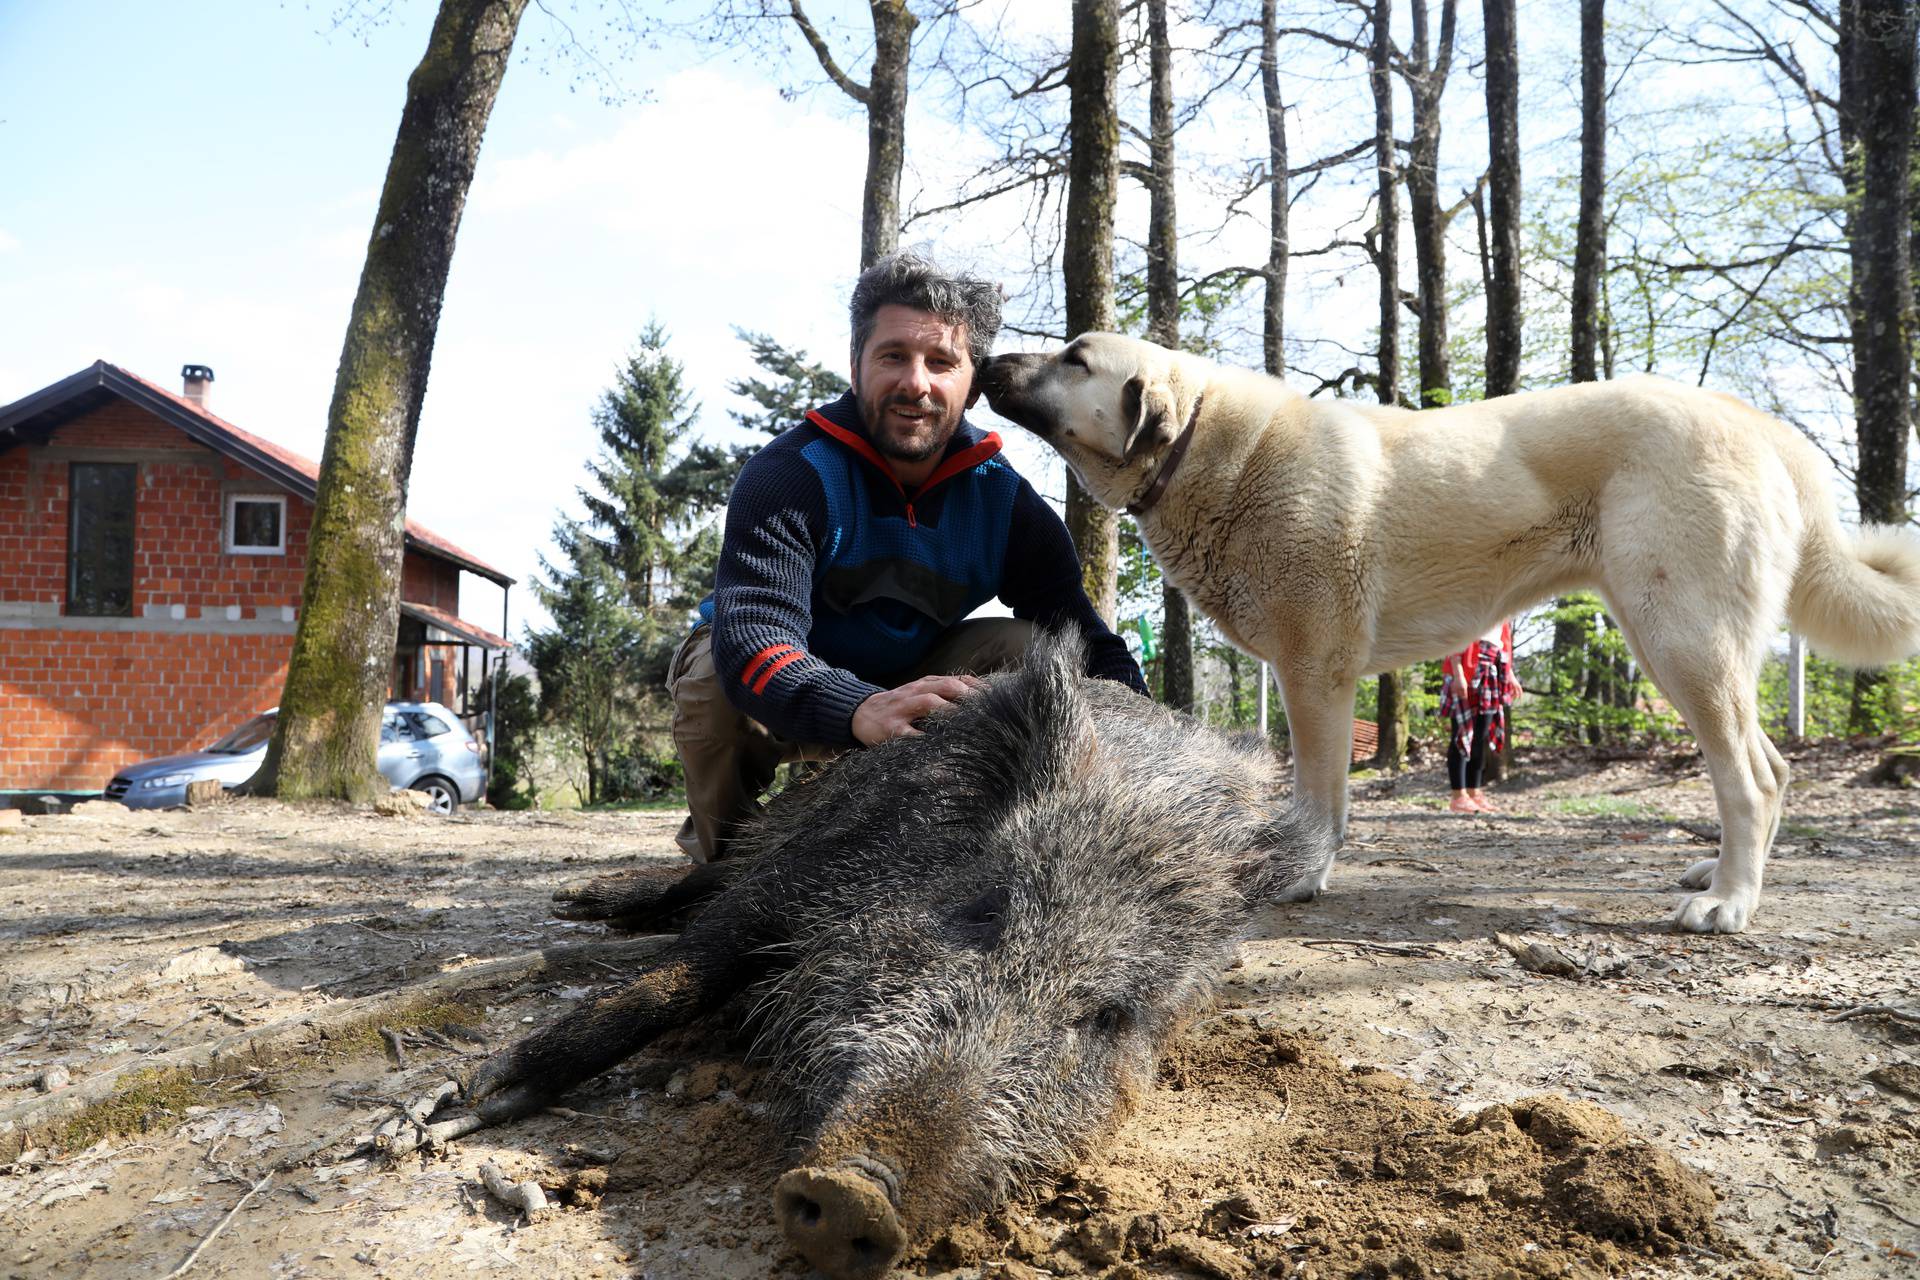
<point x="1093" y="138"/>
<point x="1390" y="704"/>
<point x="1590" y="235"/>
<point x="1881" y="50"/>
<point x="329" y="725"/>
<point x="1883" y="116"/>
<point x="885" y="98"/>
<point x="1503" y="271"/>
<point x="893" y="25"/>
<point x="1427" y="79"/>
<point x="1163" y="325"/>
<point x="1503" y="178"/>
<point x="1589" y="259"/>
<point x="1387" y="231"/>
<point x="1163" y="270"/>
<point x="1275" y="328"/>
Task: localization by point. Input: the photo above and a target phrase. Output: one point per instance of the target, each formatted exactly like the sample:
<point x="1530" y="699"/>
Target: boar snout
<point x="840" y="1220"/>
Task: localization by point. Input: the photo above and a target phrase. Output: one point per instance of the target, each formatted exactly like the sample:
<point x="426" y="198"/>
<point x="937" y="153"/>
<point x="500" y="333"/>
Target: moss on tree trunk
<point x="1093" y="168"/>
<point x="329" y="724"/>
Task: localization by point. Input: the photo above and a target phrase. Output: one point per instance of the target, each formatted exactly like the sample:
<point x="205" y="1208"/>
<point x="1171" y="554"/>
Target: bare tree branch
<point x="849" y="86"/>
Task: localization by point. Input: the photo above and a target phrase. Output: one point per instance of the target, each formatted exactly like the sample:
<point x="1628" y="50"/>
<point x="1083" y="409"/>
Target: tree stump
<point x="1897" y="768"/>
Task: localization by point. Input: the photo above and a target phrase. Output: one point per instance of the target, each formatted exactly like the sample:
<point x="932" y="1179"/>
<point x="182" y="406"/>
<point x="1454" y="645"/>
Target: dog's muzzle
<point x="1007" y="383"/>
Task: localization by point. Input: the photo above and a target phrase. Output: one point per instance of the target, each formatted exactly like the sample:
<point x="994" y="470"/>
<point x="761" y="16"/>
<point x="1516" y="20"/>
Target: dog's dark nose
<point x="991" y="376"/>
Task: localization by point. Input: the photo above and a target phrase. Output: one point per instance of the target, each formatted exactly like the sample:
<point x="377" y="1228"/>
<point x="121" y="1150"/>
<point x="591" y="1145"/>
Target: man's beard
<point x="927" y="438"/>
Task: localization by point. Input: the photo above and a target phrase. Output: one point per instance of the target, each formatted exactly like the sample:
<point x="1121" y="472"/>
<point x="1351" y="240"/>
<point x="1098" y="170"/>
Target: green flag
<point x="1145" y="628"/>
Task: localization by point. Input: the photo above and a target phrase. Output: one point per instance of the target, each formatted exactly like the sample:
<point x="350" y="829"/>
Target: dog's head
<point x="1110" y="405"/>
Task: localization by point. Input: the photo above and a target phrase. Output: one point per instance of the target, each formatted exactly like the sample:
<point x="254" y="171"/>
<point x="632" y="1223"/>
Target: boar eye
<point x="1073" y="359"/>
<point x="985" y="918"/>
<point x="1109" y="1020"/>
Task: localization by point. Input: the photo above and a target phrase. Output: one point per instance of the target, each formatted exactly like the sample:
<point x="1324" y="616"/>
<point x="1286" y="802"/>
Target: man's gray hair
<point x="906" y="279"/>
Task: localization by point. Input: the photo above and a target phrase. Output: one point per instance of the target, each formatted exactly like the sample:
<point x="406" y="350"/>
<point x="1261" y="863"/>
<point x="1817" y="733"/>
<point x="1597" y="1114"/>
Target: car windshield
<point x="246" y="737"/>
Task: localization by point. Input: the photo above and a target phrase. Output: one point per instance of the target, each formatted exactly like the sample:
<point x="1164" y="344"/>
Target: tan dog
<point x="1337" y="539"/>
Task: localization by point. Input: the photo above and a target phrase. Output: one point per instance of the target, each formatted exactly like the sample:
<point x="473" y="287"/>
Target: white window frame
<point x="233" y="501"/>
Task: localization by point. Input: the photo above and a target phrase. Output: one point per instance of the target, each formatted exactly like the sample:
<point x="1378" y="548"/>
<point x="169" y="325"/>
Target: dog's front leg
<point x="1320" y="725"/>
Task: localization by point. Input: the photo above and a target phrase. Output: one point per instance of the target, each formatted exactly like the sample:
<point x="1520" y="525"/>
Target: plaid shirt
<point x="1489" y="693"/>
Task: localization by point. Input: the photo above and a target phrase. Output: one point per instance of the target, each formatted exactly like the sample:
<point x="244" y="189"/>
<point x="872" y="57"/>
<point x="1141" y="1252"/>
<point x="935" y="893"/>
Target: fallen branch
<point x="1417" y="864"/>
<point x="422" y="1108"/>
<point x="1890" y="1210"/>
<point x="411" y="1130"/>
<point x="1417" y="949"/>
<point x="24" y="1124"/>
<point x="1542" y="957"/>
<point x="200" y="1248"/>
<point x="1909" y="1016"/>
<point x="428" y="1135"/>
<point x="527" y="1196"/>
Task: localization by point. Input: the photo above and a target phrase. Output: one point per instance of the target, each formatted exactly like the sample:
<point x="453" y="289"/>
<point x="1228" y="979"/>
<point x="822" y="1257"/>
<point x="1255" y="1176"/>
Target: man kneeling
<point x="856" y="544"/>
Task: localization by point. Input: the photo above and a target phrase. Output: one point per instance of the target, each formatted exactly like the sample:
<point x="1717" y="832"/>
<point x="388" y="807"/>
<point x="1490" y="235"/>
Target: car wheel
<point x="445" y="796"/>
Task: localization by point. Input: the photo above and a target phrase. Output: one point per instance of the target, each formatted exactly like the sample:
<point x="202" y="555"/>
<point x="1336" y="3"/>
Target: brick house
<point x="151" y="557"/>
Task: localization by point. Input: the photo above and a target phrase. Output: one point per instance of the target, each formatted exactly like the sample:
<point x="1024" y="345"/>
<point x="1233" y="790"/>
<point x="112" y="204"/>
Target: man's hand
<point x="1460" y="687"/>
<point x="892" y="713"/>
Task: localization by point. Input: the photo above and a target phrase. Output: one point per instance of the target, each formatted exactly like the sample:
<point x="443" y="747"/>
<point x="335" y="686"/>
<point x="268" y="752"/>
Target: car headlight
<point x="165" y="780"/>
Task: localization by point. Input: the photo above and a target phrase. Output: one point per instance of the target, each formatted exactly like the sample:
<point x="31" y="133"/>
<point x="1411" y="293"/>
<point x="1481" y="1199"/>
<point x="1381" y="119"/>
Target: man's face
<point x="913" y="380"/>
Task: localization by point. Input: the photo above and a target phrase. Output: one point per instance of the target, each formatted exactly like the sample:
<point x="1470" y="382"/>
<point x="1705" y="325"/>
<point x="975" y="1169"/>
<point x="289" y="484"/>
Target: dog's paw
<point x="1700" y="874"/>
<point x="1713" y="912"/>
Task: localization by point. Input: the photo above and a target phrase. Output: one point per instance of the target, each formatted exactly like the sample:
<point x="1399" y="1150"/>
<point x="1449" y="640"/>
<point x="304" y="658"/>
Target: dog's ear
<point x="1149" y="407"/>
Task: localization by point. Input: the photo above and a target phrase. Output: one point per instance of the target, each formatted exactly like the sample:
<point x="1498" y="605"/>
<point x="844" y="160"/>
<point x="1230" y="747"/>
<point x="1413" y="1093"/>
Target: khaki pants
<point x="730" y="758"/>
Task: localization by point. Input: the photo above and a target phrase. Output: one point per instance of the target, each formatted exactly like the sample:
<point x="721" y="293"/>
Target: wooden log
<point x="28" y="1123"/>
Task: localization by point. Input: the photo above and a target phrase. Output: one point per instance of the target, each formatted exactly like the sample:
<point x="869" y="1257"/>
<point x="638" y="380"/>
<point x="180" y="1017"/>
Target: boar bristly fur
<point x="964" y="949"/>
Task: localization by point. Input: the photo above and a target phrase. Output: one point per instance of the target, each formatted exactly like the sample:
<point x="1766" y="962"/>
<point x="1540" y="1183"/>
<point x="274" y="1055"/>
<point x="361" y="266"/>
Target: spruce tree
<point x="593" y="660"/>
<point x="701" y="481"/>
<point x="641" y="418"/>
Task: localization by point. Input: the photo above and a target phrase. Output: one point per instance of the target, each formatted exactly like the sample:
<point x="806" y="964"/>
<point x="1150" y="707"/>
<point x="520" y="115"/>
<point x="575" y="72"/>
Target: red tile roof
<point x="307" y="467"/>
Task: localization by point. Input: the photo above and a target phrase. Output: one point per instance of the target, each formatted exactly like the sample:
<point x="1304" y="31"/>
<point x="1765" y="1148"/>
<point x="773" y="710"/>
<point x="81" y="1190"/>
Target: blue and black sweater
<point x="833" y="582"/>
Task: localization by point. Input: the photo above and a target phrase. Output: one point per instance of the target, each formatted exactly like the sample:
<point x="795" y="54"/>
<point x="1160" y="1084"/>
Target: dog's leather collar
<point x="1171" y="465"/>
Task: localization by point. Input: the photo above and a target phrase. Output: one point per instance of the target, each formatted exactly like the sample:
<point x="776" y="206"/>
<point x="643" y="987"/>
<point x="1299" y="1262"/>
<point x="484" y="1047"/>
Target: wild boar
<point x="964" y="950"/>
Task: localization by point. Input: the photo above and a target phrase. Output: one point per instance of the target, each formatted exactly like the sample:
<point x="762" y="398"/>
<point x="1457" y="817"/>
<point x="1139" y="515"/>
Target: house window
<point x="257" y="525"/>
<point x="100" y="538"/>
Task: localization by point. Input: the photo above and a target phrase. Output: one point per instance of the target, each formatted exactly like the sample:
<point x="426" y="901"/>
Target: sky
<point x="196" y="182"/>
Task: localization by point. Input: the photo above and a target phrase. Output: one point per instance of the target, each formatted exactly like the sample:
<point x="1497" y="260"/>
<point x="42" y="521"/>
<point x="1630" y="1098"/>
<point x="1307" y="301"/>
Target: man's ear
<point x="973" y="388"/>
<point x="1149" y="406"/>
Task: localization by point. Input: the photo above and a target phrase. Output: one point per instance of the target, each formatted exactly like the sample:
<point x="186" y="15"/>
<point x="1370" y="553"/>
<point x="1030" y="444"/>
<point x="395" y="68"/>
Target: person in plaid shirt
<point x="1480" y="686"/>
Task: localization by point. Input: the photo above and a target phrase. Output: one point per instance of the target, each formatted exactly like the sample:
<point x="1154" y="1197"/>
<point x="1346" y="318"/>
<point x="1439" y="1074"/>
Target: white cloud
<point x="8" y="242"/>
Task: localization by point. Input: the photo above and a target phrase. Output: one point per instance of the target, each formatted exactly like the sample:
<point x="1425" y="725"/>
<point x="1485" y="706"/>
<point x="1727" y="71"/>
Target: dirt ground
<point x="1384" y="1089"/>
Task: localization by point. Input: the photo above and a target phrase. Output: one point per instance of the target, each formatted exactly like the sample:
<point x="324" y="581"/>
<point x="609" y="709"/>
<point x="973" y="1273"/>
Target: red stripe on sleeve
<point x="754" y="663"/>
<point x="773" y="669"/>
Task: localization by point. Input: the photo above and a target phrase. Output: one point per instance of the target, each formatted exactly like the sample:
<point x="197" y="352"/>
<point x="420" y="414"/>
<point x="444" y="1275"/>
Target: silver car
<point x="423" y="747"/>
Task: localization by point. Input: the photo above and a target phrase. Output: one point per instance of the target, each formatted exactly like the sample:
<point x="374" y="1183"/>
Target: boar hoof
<point x="1308" y="887"/>
<point x="840" y="1221"/>
<point x="595" y="900"/>
<point x="497" y="1093"/>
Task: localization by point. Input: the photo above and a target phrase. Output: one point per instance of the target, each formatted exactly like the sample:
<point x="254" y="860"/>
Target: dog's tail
<point x="1856" y="597"/>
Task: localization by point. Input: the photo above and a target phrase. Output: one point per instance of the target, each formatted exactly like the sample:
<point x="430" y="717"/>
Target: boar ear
<point x="1149" y="407"/>
<point x="1030" y="732"/>
<point x="1288" y="844"/>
